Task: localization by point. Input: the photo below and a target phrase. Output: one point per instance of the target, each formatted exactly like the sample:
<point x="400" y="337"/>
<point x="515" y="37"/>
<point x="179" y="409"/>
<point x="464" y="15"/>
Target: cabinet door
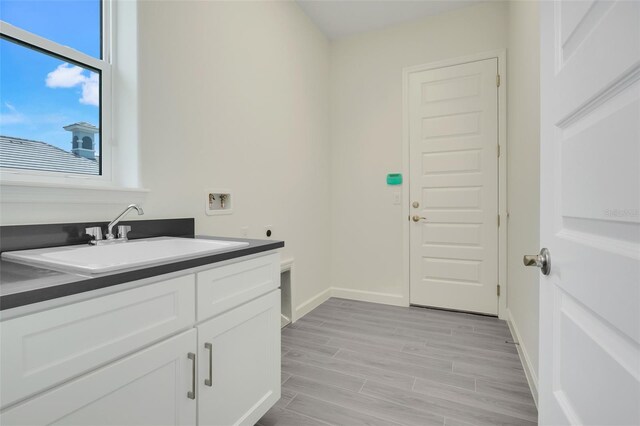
<point x="147" y="388"/>
<point x="239" y="363"/>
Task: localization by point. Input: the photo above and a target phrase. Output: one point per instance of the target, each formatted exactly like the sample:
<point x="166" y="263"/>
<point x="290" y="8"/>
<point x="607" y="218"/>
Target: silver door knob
<point x="418" y="218"/>
<point x="542" y="261"/>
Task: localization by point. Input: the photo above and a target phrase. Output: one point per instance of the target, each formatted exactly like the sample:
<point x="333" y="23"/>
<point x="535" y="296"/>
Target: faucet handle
<point x="95" y="232"/>
<point x="123" y="230"/>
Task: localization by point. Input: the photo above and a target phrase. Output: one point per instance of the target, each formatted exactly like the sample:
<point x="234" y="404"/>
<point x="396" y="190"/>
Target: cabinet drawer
<point x="46" y="348"/>
<point x="225" y="287"/>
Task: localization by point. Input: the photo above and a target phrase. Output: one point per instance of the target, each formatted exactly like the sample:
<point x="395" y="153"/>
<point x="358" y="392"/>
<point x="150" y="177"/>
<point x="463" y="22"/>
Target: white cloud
<point x="91" y="90"/>
<point x="10" y="107"/>
<point x="67" y="76"/>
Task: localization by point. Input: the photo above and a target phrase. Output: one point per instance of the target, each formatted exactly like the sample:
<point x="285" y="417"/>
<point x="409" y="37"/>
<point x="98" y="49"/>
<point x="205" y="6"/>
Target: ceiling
<point x="342" y="18"/>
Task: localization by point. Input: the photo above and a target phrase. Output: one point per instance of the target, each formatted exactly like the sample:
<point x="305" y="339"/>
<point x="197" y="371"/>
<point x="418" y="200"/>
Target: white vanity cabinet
<point x="202" y="348"/>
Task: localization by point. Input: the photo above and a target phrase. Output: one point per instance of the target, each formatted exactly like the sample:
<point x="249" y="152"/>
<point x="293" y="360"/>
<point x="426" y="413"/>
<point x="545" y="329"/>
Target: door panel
<point x="453" y="138"/>
<point x="590" y="221"/>
<point x="245" y="363"/>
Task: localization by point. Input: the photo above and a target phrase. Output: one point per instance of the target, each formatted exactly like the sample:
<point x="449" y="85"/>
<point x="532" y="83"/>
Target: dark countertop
<point x="22" y="285"/>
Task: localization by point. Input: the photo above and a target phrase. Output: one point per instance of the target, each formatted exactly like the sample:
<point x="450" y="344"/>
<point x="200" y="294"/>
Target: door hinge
<point x="498" y="150"/>
<point x="497" y="80"/>
<point x="498" y="290"/>
<point x="498" y="221"/>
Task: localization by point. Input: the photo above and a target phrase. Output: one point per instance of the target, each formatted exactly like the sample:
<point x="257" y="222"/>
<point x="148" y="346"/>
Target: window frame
<point x="104" y="65"/>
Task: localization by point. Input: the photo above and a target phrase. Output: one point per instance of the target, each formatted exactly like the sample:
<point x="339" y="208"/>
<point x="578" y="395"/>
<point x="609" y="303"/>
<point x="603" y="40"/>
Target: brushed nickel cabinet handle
<point x="209" y="381"/>
<point x="192" y="393"/>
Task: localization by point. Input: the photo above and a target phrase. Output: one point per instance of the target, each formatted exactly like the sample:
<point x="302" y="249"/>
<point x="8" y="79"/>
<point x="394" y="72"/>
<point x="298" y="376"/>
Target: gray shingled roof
<point x="19" y="153"/>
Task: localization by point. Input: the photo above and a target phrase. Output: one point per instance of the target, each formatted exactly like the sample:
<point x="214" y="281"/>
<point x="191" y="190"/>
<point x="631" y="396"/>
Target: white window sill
<point x="58" y="193"/>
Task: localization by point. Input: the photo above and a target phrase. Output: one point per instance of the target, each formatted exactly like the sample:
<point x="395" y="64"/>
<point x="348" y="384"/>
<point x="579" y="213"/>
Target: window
<point x="55" y="79"/>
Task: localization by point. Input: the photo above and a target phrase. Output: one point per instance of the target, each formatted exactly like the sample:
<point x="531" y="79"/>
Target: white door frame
<point x="501" y="55"/>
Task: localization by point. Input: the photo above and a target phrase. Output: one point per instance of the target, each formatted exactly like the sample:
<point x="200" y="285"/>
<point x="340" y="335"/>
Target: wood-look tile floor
<point x="356" y="363"/>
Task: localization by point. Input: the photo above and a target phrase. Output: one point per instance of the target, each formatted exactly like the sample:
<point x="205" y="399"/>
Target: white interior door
<point x="590" y="201"/>
<point x="453" y="143"/>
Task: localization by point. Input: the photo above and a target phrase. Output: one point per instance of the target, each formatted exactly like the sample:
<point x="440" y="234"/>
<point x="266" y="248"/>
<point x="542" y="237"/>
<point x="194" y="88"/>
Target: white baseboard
<point x="311" y="304"/>
<point x="369" y="296"/>
<point x="347" y="293"/>
<point x="529" y="371"/>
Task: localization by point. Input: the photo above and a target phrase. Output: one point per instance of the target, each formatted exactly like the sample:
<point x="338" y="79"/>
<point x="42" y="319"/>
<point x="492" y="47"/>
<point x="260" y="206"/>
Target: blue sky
<point x="39" y="94"/>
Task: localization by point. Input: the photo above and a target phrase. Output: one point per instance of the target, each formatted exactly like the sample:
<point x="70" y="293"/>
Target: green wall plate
<point x="394" y="179"/>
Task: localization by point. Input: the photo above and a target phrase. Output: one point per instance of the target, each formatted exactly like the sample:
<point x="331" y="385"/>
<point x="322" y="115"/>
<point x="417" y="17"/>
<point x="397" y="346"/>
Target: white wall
<point x="523" y="177"/>
<point x="231" y="95"/>
<point x="235" y="95"/>
<point x="366" y="138"/>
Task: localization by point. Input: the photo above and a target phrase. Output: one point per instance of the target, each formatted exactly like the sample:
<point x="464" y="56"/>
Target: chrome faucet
<point x="122" y="229"/>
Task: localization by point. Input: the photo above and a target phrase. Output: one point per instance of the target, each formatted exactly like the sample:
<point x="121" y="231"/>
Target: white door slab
<point x="590" y="222"/>
<point x="453" y="143"/>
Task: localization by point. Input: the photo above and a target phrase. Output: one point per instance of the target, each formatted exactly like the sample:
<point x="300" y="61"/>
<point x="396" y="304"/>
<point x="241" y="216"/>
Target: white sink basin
<point x="109" y="258"/>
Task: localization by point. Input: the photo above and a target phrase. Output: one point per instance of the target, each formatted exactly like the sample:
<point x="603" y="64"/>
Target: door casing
<point x="501" y="55"/>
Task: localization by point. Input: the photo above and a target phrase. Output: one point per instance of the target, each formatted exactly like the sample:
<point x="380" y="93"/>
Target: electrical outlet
<point x="397" y="198"/>
<point x="268" y="231"/>
<point x="244" y="231"/>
